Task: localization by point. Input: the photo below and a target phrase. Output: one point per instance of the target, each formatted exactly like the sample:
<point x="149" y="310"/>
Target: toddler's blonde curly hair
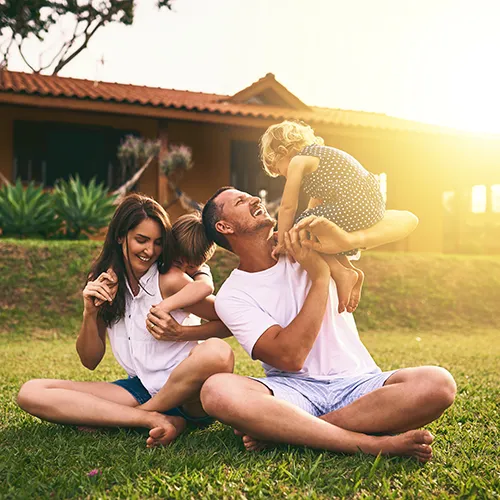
<point x="282" y="139"/>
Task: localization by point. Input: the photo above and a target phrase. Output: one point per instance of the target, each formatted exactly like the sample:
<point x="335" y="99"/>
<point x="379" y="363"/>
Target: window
<point x="247" y="173"/>
<point x="448" y="200"/>
<point x="495" y="198"/>
<point x="47" y="151"/>
<point x="478" y="199"/>
<point x="382" y="180"/>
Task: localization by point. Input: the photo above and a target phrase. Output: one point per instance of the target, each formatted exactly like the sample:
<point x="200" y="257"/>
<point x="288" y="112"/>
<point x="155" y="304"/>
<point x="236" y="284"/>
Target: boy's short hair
<point x="191" y="240"/>
<point x="282" y="139"/>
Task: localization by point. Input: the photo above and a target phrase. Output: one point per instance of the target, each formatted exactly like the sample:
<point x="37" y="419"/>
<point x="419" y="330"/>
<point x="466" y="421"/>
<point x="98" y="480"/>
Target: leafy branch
<point x="21" y="20"/>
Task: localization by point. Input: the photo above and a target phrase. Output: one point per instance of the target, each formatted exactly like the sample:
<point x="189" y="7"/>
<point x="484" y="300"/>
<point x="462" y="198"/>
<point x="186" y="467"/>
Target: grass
<point x="44" y="460"/>
<point x="402" y="291"/>
<point x="40" y="310"/>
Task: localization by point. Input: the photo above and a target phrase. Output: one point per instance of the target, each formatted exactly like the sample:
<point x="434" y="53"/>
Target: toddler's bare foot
<point x="356" y="292"/>
<point x="345" y="280"/>
<point x="164" y="429"/>
<point x="250" y="443"/>
<point x="409" y="444"/>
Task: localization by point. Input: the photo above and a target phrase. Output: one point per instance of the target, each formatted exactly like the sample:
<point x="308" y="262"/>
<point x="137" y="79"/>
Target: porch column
<point x="163" y="191"/>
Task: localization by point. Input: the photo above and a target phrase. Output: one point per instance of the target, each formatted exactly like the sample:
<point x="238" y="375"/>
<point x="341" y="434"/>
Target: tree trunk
<point x="127" y="186"/>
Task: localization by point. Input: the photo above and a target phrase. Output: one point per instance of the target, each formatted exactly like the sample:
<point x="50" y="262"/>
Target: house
<point x="51" y="127"/>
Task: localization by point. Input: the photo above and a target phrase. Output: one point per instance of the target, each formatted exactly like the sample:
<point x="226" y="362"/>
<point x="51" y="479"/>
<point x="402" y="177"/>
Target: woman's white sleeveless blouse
<point x="137" y="351"/>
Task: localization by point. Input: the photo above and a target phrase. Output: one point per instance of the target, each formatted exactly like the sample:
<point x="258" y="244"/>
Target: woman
<point x="164" y="378"/>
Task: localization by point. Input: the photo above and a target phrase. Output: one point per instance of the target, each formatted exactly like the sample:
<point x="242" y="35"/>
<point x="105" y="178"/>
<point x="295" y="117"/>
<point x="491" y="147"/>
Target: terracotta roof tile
<point x="56" y="86"/>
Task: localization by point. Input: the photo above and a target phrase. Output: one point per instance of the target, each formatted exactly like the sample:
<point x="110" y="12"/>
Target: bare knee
<point x="439" y="387"/>
<point x="215" y="394"/>
<point x="447" y="387"/>
<point x="216" y="355"/>
<point x="30" y="393"/>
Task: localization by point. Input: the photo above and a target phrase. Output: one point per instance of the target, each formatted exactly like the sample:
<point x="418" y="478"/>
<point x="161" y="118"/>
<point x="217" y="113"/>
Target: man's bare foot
<point x="409" y="444"/>
<point x="250" y="443"/>
<point x="356" y="292"/>
<point x="164" y="429"/>
<point x="345" y="280"/>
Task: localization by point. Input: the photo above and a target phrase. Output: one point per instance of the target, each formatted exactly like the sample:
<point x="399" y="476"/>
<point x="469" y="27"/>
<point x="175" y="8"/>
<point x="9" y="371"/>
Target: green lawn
<point x="42" y="460"/>
<point x="416" y="309"/>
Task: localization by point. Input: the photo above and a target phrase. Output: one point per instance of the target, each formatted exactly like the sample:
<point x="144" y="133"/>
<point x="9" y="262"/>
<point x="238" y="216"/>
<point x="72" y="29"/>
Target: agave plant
<point x="83" y="209"/>
<point x="27" y="212"/>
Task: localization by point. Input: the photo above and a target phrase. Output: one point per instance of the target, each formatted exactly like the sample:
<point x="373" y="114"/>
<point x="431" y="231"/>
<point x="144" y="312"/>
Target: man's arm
<point x="287" y="348"/>
<point x="168" y="329"/>
<point x="331" y="239"/>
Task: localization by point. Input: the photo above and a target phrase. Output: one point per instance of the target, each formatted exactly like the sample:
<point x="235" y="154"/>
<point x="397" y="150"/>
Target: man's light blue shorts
<point x="319" y="397"/>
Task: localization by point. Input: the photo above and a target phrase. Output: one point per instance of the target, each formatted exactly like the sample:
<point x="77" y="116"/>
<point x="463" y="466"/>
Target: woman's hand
<point x="96" y="292"/>
<point x="162" y="326"/>
<point x="111" y="280"/>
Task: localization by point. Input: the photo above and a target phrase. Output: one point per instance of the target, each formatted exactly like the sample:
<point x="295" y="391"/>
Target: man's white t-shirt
<point x="250" y="303"/>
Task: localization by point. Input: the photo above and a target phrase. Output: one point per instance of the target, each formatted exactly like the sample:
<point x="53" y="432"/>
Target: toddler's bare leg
<point x="345" y="278"/>
<point x="314" y="202"/>
<point x="356" y="289"/>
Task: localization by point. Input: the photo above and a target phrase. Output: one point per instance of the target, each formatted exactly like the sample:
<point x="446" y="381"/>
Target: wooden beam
<point x="88" y="105"/>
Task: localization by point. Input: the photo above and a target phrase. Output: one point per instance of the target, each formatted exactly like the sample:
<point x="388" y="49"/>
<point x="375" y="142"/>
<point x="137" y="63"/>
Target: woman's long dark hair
<point x="134" y="209"/>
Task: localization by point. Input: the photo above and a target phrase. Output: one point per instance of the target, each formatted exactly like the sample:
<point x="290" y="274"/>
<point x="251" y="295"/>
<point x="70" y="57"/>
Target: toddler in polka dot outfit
<point x="340" y="190"/>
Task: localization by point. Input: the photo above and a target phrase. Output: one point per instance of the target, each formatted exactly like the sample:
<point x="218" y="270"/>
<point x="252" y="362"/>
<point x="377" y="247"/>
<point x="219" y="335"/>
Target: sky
<point x="434" y="61"/>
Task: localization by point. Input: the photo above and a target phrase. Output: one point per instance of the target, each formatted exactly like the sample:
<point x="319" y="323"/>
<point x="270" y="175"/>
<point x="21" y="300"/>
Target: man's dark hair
<point x="212" y="213"/>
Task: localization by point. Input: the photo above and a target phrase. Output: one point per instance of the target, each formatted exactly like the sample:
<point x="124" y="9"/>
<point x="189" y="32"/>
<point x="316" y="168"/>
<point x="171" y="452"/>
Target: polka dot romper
<point x="351" y="195"/>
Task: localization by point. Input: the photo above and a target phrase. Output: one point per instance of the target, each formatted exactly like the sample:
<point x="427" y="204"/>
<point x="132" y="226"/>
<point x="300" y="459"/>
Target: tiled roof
<point x="56" y="86"/>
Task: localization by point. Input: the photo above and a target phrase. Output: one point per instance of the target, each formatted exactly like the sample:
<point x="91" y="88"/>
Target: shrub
<point x="83" y="209"/>
<point x="27" y="212"/>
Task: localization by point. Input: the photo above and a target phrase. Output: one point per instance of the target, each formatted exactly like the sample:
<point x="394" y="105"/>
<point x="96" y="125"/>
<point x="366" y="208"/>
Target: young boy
<point x="192" y="252"/>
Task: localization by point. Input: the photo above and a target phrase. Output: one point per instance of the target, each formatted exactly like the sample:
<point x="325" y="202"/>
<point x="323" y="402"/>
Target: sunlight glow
<point x="429" y="61"/>
<point x="478" y="199"/>
<point x="495" y="198"/>
<point x="382" y="180"/>
<point x="448" y="200"/>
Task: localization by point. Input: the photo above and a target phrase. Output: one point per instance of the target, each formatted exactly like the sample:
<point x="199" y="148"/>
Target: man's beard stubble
<point x="265" y="223"/>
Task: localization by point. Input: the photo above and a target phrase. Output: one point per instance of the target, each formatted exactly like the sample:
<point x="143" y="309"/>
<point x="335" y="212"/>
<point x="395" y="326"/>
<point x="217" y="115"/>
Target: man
<point x="322" y="389"/>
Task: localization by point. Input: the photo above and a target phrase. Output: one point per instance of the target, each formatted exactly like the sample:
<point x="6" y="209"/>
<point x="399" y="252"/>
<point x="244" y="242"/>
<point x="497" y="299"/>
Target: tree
<point x="136" y="154"/>
<point x="21" y="20"/>
<point x="175" y="163"/>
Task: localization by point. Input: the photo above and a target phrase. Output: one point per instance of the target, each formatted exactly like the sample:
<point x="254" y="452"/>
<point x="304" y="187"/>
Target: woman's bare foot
<point x="345" y="279"/>
<point x="85" y="428"/>
<point x="356" y="292"/>
<point x="409" y="444"/>
<point x="164" y="429"/>
<point x="250" y="443"/>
